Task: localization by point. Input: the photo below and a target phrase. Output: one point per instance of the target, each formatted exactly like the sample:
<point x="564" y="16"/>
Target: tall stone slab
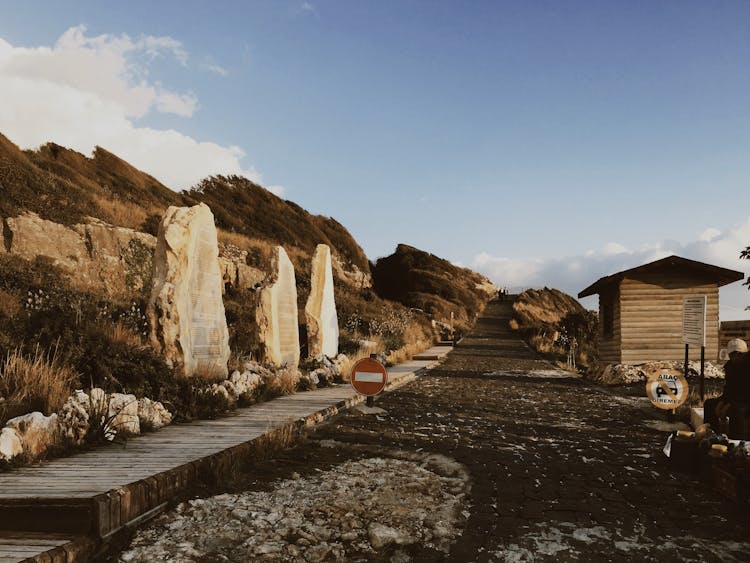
<point x="277" y="314"/>
<point x="188" y="323"/>
<point x="320" y="309"/>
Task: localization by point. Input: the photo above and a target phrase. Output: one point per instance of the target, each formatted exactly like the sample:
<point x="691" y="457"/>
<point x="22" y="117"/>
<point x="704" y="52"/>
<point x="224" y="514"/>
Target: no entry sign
<point x="368" y="377"/>
<point x="667" y="389"/>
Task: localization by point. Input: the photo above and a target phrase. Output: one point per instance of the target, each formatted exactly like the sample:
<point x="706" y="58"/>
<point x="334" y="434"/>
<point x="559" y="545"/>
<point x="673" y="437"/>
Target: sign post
<point x="694" y="330"/>
<point x="368" y="377"/>
<point x="667" y="389"/>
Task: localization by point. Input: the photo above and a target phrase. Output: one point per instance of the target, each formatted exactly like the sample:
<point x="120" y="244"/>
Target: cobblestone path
<point x="559" y="469"/>
<point x="562" y="470"/>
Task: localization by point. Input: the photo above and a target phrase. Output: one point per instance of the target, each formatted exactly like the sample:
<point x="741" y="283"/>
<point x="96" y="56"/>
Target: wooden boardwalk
<point x="100" y="492"/>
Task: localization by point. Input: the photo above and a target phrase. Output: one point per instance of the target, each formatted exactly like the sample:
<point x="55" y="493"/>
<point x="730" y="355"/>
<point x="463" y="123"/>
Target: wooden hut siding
<point x="651" y="325"/>
<point x="609" y="344"/>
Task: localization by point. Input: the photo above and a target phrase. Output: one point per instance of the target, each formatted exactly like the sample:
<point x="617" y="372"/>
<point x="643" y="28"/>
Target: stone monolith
<point x="188" y="323"/>
<point x="277" y="315"/>
<point x="320" y="309"/>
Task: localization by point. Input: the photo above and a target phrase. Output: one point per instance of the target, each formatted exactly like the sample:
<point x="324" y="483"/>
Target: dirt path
<point x="558" y="469"/>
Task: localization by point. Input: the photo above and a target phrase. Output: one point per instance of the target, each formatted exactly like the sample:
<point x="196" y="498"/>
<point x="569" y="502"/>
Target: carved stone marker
<point x="277" y="314"/>
<point x="320" y="309"/>
<point x="188" y="324"/>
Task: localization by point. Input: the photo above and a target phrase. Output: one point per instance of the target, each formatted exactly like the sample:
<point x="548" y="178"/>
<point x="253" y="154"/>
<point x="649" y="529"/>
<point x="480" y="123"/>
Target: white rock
<point x="74" y="417"/>
<point x="152" y="414"/>
<point x="245" y="383"/>
<point x="277" y="314"/>
<point x="320" y="310"/>
<point x="36" y="432"/>
<point x="186" y="311"/>
<point x="123" y="411"/>
<point x="10" y="444"/>
<point x="381" y="536"/>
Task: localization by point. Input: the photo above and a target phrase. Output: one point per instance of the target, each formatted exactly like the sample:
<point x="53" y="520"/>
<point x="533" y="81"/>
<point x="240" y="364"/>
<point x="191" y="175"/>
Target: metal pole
<point x="703" y="362"/>
<point x="686" y="360"/>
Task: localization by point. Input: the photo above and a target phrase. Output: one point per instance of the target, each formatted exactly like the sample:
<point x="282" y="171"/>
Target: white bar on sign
<point x="368" y="376"/>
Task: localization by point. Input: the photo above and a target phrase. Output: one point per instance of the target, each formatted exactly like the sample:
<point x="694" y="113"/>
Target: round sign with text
<point x="667" y="389"/>
<point x="368" y="376"/>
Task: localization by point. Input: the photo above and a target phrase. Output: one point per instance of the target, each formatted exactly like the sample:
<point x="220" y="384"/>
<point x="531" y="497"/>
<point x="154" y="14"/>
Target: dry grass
<point x="209" y="372"/>
<point x="121" y="333"/>
<point x="377" y="347"/>
<point x="35" y="383"/>
<point x="121" y="213"/>
<point x="237" y="239"/>
<point x="284" y="382"/>
<point x="407" y="352"/>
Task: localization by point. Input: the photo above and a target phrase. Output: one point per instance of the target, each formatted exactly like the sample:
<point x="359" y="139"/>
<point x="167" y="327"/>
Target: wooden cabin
<point x="640" y="310"/>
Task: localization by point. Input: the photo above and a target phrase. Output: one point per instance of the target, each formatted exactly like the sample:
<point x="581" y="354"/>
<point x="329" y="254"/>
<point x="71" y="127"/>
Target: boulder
<point x="74" y="417"/>
<point x="152" y="414"/>
<point x="277" y="315"/>
<point x="29" y="236"/>
<point x="245" y="383"/>
<point x="237" y="275"/>
<point x="320" y="310"/>
<point x="123" y="413"/>
<point x="10" y="444"/>
<point x="36" y="432"/>
<point x="186" y="311"/>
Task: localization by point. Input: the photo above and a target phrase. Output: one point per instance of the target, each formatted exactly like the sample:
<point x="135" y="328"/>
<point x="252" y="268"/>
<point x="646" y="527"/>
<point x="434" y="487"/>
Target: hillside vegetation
<point x="549" y="320"/>
<point x="48" y="309"/>
<point x="423" y="281"/>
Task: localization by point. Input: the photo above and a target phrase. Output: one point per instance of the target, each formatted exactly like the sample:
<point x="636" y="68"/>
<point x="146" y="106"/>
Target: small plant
<point x="103" y="424"/>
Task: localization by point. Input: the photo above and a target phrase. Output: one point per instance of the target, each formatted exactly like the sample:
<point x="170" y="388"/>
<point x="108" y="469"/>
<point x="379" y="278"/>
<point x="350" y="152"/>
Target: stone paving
<point x="560" y="469"/>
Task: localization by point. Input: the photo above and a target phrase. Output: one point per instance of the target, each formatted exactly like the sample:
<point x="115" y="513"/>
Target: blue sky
<point x="542" y="143"/>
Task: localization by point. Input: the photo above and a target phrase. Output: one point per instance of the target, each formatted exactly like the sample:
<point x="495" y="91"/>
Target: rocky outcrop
<point x="114" y="260"/>
<point x="186" y="311"/>
<point x="235" y="273"/>
<point x="277" y="315"/>
<point x="320" y="310"/>
<point x="350" y="274"/>
<point x="96" y="255"/>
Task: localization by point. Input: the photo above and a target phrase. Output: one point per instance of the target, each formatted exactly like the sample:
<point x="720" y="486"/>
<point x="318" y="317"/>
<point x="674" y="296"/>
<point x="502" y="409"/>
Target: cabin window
<point x="608" y="319"/>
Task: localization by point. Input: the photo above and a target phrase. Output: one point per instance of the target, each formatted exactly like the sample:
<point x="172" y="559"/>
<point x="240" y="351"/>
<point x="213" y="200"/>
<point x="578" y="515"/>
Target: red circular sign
<point x="368" y="376"/>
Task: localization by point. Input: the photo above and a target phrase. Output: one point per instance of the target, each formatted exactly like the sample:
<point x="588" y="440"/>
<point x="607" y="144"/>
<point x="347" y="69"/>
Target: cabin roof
<point x="676" y="264"/>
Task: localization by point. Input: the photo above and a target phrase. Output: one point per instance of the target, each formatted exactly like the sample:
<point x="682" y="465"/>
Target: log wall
<point x="609" y="344"/>
<point x="651" y="318"/>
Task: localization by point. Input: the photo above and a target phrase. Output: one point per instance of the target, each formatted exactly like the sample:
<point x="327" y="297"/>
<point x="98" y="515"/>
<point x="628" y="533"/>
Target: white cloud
<point x="573" y="273"/>
<point x="85" y="91"/>
<point x="216" y="69"/>
<point x="277" y="190"/>
<point x="306" y="8"/>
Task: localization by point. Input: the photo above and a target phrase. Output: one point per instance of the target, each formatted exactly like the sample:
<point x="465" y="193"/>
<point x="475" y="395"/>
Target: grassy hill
<point x="424" y="281"/>
<point x="548" y="319"/>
